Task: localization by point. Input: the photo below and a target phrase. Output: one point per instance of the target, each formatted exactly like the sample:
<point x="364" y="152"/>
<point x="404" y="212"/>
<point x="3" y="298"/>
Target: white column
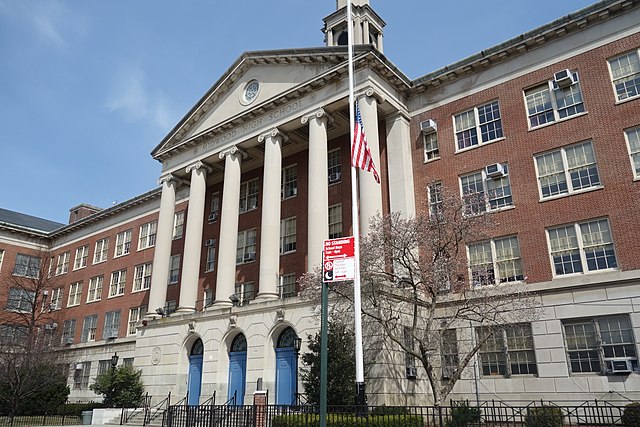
<point x="162" y="252"/>
<point x="400" y="166"/>
<point x="370" y="190"/>
<point x="318" y="192"/>
<point x="193" y="237"/>
<point x="270" y="222"/>
<point x="228" y="245"/>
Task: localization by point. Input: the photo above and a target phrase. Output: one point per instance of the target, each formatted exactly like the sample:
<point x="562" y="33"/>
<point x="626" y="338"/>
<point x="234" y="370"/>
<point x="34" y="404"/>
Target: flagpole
<point x="361" y="399"/>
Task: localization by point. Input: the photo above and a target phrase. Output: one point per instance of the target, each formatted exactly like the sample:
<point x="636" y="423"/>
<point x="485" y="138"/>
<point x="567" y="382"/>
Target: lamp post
<point x="297" y="344"/>
<point x="114" y="363"/>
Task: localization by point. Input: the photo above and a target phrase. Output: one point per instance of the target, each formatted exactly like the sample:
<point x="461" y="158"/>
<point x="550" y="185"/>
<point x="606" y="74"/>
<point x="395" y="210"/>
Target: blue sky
<point x="88" y="88"/>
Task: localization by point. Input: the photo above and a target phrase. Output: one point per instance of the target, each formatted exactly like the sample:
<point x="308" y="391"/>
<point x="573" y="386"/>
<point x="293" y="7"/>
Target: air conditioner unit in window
<point x="334" y="177"/>
<point x="428" y="126"/>
<point x="213" y="216"/>
<point x="412" y="372"/>
<point x="495" y="170"/>
<point x="292" y="192"/>
<point x="563" y="78"/>
<point x="112" y="335"/>
<point x="249" y="257"/>
<point x="78" y="366"/>
<point x="210" y="242"/>
<point x="620" y="365"/>
<point x="68" y="341"/>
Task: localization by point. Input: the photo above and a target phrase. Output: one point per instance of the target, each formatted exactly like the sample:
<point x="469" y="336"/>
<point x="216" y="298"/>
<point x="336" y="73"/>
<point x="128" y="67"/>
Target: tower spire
<point x="368" y="28"/>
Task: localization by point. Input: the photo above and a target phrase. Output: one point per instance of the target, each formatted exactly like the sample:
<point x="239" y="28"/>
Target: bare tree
<point x="420" y="295"/>
<point x="30" y="360"/>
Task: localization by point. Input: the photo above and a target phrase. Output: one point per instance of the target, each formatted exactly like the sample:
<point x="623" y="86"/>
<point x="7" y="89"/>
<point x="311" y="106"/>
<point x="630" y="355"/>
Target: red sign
<point x="338" y="259"/>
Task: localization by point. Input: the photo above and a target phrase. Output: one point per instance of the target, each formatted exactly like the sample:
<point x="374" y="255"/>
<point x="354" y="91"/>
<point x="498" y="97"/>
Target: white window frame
<point x="81" y="376"/>
<point x="548" y="90"/>
<point x="209" y="297"/>
<point x="27" y="266"/>
<point x="249" y="192"/>
<point x="21" y="300"/>
<point x="147" y="236"/>
<point x="335" y="221"/>
<point x="214" y="213"/>
<point x="435" y="198"/>
<point x="245" y="292"/>
<point x="334" y="166"/>
<point x="289" y="187"/>
<point x="288" y="240"/>
<point x="174" y="268"/>
<point x="94" y="291"/>
<point x="118" y="283"/>
<point x="287" y="286"/>
<point x="245" y="249"/>
<point x="62" y="266"/>
<point x="566" y="171"/>
<point x="519" y="353"/>
<point x="631" y="75"/>
<point x="56" y="298"/>
<point x="210" y="262"/>
<point x="582" y="244"/>
<point x="89" y="328"/>
<point x="68" y="331"/>
<point x="101" y="251"/>
<point x="497" y="259"/>
<point x="142" y="277"/>
<point x="82" y="254"/>
<point x="632" y="136"/>
<point x="123" y="244"/>
<point x="135" y="315"/>
<point x="111" y="327"/>
<point x="489" y="185"/>
<point x="178" y="225"/>
<point x="477" y="126"/>
<point x="1" y="258"/>
<point x="431" y="149"/>
<point x="75" y="294"/>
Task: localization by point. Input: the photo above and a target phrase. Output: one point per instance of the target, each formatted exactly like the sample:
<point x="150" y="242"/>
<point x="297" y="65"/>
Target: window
<point x="449" y="352"/>
<point x="244" y="292"/>
<point x="484" y="121"/>
<point x="249" y="195"/>
<point x="431" y="151"/>
<point x="135" y="315"/>
<point x="178" y="225"/>
<point x="118" y="281"/>
<point x="68" y="331"/>
<point x="246" y="246"/>
<point x="287" y="286"/>
<point x="104" y="366"/>
<point x="507" y="350"/>
<point x="111" y="325"/>
<point x="434" y="193"/>
<point x="82" y="253"/>
<point x="147" y="237"/>
<point x="171" y="306"/>
<point x="625" y="75"/>
<point x="89" y="327"/>
<point x="215" y="207"/>
<point x="95" y="289"/>
<point x="123" y="243"/>
<point x="289" y="181"/>
<point x="81" y="375"/>
<point x="409" y="359"/>
<point x="1" y="258"/>
<point x="27" y="265"/>
<point x="482" y="192"/>
<point x="142" y="277"/>
<point x="600" y="344"/>
<point x="335" y="221"/>
<point x="495" y="261"/>
<point x="568" y="170"/>
<point x="211" y="258"/>
<point x="63" y="263"/>
<point x="587" y="245"/>
<point x="174" y="270"/>
<point x="127" y="361"/>
<point x="334" y="165"/>
<point x="12" y="334"/>
<point x="208" y="297"/>
<point x="21" y="300"/>
<point x="550" y="102"/>
<point x="633" y="144"/>
<point x="75" y="292"/>
<point x="288" y="235"/>
<point x="101" y="251"/>
<point x="56" y="299"/>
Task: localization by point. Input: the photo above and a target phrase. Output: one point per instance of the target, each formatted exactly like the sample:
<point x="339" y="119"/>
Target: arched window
<point x="286" y="338"/>
<point x="197" y="349"/>
<point x="239" y="344"/>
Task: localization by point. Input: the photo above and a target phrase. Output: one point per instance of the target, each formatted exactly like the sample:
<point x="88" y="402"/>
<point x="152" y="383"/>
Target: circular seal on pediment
<point x="250" y="92"/>
<point x="156" y="354"/>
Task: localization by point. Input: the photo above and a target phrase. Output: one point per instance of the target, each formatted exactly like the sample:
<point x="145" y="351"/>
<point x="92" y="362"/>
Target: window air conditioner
<point x="334" y="177"/>
<point x="292" y="192"/>
<point x="112" y="335"/>
<point x="428" y="126"/>
<point x="412" y="372"/>
<point x="563" y="78"/>
<point x="495" y="170"/>
<point x="68" y="341"/>
<point x="213" y="216"/>
<point x="622" y="365"/>
<point x="78" y="366"/>
<point x="249" y="257"/>
<point x="210" y="242"/>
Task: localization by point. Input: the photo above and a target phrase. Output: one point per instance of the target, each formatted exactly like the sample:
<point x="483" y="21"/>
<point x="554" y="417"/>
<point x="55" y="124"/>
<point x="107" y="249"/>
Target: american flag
<point x="360" y="153"/>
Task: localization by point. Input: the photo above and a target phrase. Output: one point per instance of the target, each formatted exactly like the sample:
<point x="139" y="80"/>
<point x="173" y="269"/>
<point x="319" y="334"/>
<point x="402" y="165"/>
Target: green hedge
<point x="544" y="416"/>
<point x="339" y="420"/>
<point x="77" y="408"/>
<point x="631" y="415"/>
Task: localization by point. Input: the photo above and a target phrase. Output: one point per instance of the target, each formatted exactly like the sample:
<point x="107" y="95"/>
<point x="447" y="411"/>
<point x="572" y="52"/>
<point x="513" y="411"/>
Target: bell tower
<point x="368" y="28"/>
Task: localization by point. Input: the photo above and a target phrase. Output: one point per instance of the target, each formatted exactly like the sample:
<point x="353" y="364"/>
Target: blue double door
<point x="237" y="375"/>
<point x="286" y="376"/>
<point x="195" y="379"/>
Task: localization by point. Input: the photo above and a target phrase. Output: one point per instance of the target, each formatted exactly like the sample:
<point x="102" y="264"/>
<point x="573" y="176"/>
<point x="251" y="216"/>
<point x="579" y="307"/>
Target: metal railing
<point x="39" y="420"/>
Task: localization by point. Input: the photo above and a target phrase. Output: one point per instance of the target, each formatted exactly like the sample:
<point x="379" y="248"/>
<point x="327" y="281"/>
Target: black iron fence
<point x="39" y="420"/>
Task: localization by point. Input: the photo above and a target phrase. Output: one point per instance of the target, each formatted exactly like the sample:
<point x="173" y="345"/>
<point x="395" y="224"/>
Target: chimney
<point x="81" y="211"/>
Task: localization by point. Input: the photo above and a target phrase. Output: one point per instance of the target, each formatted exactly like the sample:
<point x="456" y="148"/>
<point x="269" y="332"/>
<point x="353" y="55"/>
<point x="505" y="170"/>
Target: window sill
<point x="134" y="291"/>
<point x="288" y="252"/>
<point x="623" y="101"/>
<point x="115" y="296"/>
<point x="584" y="273"/>
<point x="557" y="121"/>
<point x="99" y="262"/>
<point x="73" y="305"/>
<point x="174" y="283"/>
<point x="93" y="301"/>
<point x="79" y="268"/>
<point x="120" y="256"/>
<point x="431" y="160"/>
<point x="505" y="208"/>
<point x="180" y="237"/>
<point x="248" y="210"/>
<point x="483" y="144"/>
<point x="562" y="196"/>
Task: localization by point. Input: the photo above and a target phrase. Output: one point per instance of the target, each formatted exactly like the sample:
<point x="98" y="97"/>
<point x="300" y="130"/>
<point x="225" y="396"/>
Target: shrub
<point x="462" y="415"/>
<point x="338" y="420"/>
<point x="544" y="416"/>
<point x="76" y="409"/>
<point x="631" y="415"/>
<point x="389" y="410"/>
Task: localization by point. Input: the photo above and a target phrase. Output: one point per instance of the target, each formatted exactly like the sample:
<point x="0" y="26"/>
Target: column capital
<point x="171" y="178"/>
<point x="371" y="92"/>
<point x="197" y="165"/>
<point x="233" y="150"/>
<point x="274" y="133"/>
<point x="321" y="114"/>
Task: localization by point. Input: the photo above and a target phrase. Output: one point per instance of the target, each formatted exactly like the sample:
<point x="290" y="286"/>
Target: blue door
<point x="195" y="373"/>
<point x="237" y="369"/>
<point x="285" y="376"/>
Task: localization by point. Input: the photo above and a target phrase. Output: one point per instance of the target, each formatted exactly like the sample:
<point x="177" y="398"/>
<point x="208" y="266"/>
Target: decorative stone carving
<point x="192" y="327"/>
<point x="233" y="150"/>
<point x="233" y="320"/>
<point x="197" y="165"/>
<point x="320" y="113"/>
<point x="274" y="133"/>
<point x="156" y="355"/>
<point x="280" y="315"/>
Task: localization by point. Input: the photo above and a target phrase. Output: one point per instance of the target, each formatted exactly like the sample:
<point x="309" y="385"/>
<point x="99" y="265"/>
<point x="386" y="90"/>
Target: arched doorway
<point x="237" y="368"/>
<point x="195" y="372"/>
<point x="286" y="368"/>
